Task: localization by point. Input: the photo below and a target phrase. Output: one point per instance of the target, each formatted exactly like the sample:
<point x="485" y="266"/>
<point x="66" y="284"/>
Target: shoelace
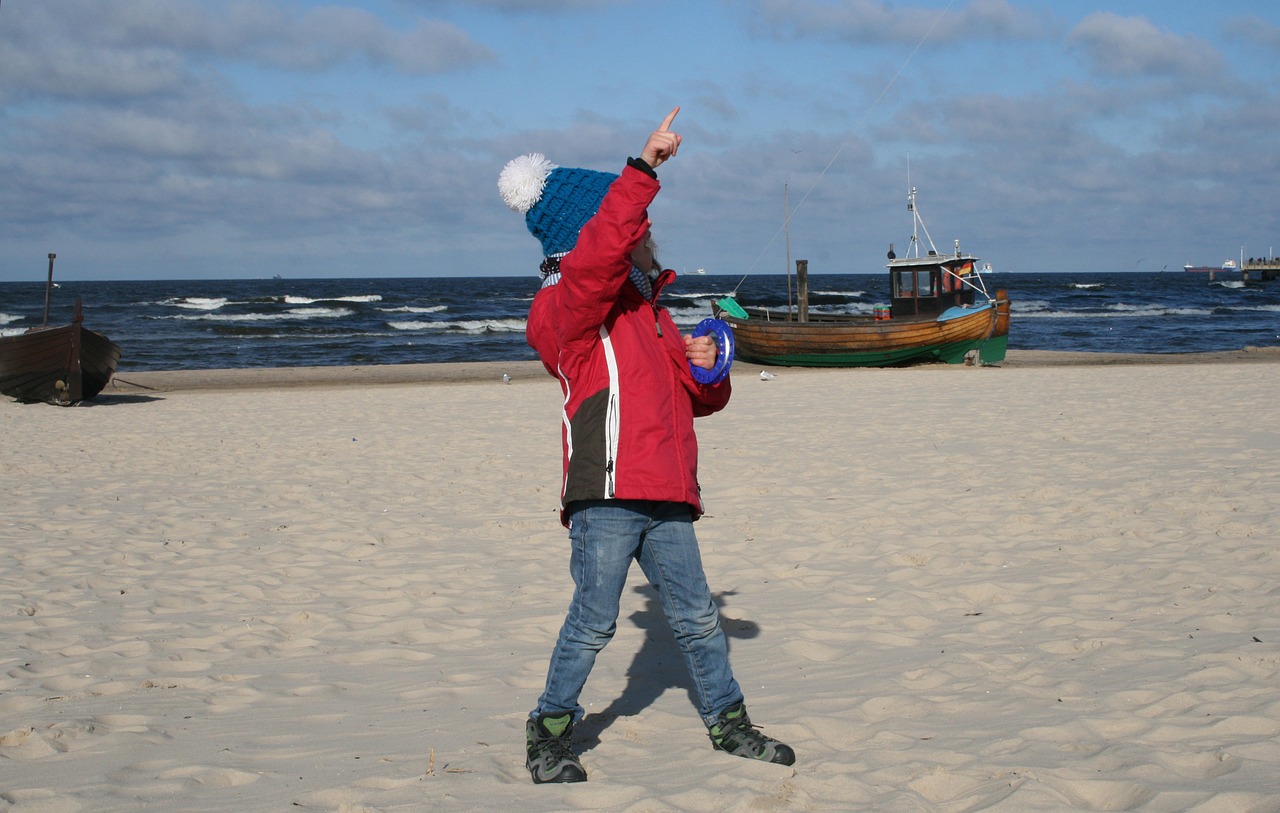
<point x="559" y="748"/>
<point x="742" y="731"/>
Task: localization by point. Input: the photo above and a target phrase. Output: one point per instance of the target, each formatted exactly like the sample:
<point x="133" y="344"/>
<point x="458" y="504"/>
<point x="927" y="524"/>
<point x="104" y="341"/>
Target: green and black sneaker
<point x="550" y="757"/>
<point x="733" y="733"/>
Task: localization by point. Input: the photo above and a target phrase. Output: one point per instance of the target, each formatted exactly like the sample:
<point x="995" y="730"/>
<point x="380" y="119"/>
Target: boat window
<point x="925" y="285"/>
<point x="904" y="283"/>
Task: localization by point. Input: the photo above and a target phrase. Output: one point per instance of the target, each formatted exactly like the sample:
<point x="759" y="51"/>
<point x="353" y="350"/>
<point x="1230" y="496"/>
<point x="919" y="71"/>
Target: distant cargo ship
<point x="1229" y="265"/>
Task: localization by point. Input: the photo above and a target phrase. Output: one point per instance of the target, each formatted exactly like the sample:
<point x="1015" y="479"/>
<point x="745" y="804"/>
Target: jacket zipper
<point x="612" y="422"/>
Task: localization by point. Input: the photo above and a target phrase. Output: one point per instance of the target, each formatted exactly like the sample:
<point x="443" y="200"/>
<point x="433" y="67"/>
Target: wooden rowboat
<point x="863" y="341"/>
<point x="939" y="311"/>
<point x="61" y="365"/>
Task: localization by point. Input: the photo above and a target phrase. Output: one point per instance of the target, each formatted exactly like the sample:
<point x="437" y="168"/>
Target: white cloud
<point x="873" y="22"/>
<point x="103" y="49"/>
<point x="1134" y="47"/>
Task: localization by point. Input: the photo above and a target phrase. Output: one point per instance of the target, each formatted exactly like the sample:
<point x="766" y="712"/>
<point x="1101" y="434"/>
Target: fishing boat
<point x="62" y="365"/>
<point x="939" y="310"/>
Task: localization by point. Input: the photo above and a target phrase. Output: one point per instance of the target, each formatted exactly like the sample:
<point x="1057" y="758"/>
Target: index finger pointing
<point x="666" y="123"/>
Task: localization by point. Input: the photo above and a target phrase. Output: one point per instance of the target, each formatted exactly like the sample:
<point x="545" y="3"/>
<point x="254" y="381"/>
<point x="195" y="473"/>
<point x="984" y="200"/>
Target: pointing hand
<point x="662" y="143"/>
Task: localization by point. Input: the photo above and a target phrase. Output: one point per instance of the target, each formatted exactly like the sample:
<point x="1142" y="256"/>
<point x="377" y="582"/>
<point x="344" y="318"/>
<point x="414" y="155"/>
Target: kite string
<point x="786" y="223"/>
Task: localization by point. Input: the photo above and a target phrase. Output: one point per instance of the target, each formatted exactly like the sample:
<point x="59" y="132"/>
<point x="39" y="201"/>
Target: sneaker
<point x="733" y="733"/>
<point x="550" y="757"/>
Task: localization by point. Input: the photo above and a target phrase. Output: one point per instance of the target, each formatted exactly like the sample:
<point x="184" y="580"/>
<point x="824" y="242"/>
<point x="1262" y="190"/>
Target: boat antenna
<point x="857" y="128"/>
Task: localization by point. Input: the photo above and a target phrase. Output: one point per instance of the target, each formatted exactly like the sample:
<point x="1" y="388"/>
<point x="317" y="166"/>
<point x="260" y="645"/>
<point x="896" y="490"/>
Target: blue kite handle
<point x="724" y="359"/>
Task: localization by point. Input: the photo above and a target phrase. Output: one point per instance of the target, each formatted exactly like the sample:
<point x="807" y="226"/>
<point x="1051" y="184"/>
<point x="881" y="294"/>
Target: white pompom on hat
<point x="522" y="180"/>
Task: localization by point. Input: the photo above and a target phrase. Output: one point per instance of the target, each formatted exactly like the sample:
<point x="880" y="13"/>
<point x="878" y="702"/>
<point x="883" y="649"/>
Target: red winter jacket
<point x="630" y="398"/>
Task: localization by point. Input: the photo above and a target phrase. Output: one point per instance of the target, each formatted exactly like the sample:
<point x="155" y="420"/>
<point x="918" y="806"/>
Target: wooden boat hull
<point x="867" y="342"/>
<point x="58" y="365"/>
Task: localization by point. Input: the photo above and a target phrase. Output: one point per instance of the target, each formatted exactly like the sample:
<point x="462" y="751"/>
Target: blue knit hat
<point x="556" y="201"/>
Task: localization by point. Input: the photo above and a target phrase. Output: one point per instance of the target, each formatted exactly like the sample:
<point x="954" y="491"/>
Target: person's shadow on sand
<point x="656" y="667"/>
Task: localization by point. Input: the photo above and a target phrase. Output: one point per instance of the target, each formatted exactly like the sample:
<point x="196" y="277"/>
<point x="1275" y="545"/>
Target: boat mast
<point x="917" y="224"/>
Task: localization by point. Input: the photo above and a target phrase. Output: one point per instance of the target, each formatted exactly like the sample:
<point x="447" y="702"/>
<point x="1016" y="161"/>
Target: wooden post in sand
<point x="47" y="288"/>
<point x="802" y="289"/>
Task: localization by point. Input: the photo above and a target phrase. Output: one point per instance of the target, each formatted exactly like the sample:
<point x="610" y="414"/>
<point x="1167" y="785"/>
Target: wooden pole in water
<point x="802" y="288"/>
<point x="47" y="288"/>
<point x="786" y="223"/>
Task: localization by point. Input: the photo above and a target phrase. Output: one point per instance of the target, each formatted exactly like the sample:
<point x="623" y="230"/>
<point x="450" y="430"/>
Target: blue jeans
<point x="606" y="536"/>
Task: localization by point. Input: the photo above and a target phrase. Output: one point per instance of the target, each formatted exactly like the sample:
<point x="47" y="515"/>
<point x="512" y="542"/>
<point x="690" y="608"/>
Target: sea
<point x="218" y="324"/>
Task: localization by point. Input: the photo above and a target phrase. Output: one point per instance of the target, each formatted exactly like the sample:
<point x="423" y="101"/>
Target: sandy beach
<point x="1052" y="585"/>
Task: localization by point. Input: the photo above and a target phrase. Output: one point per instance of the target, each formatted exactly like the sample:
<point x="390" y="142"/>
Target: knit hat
<point x="556" y="201"/>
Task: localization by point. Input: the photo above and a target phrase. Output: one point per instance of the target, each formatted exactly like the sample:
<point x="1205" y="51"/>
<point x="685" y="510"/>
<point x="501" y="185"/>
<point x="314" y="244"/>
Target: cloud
<point x="873" y="22"/>
<point x="114" y="49"/>
<point x="533" y="6"/>
<point x="1254" y="29"/>
<point x="1134" y="47"/>
<point x="121" y="121"/>
<point x="327" y="37"/>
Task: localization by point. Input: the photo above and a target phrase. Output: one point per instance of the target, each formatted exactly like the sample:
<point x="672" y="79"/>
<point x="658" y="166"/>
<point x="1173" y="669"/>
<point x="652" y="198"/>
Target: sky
<point x="223" y="139"/>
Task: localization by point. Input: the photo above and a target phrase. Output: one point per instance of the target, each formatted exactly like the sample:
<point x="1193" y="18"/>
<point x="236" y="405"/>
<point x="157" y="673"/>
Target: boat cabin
<point x="928" y="285"/>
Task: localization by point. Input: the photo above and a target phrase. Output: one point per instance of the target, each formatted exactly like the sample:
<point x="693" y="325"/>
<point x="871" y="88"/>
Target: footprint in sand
<point x="39" y="799"/>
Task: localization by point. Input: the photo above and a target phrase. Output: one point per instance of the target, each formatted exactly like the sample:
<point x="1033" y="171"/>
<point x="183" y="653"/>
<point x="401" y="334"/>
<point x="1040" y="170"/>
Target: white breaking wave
<point x="1116" y="312"/>
<point x="692" y="295"/>
<point x="1122" y="309"/>
<point x="201" y="303"/>
<point x="297" y="313"/>
<point x="302" y="300"/>
<point x="416" y="309"/>
<point x="464" y="326"/>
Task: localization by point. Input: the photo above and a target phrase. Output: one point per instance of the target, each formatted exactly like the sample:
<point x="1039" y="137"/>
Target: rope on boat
<point x="981" y="287"/>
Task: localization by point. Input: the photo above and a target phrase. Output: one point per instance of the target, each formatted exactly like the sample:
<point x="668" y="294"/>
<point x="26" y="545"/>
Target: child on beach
<point x="630" y="488"/>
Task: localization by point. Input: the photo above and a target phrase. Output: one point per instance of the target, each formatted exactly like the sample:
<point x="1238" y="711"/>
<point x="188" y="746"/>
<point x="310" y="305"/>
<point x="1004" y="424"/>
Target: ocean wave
<point x="303" y="300"/>
<point x="1131" y="312"/>
<point x="200" y="303"/>
<point x="700" y="304"/>
<point x="464" y="326"/>
<point x="12" y="331"/>
<point x="689" y="320"/>
<point x="416" y="309"/>
<point x="296" y="313"/>
<point x="707" y="295"/>
<point x="1157" y="310"/>
<point x="6" y="318"/>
